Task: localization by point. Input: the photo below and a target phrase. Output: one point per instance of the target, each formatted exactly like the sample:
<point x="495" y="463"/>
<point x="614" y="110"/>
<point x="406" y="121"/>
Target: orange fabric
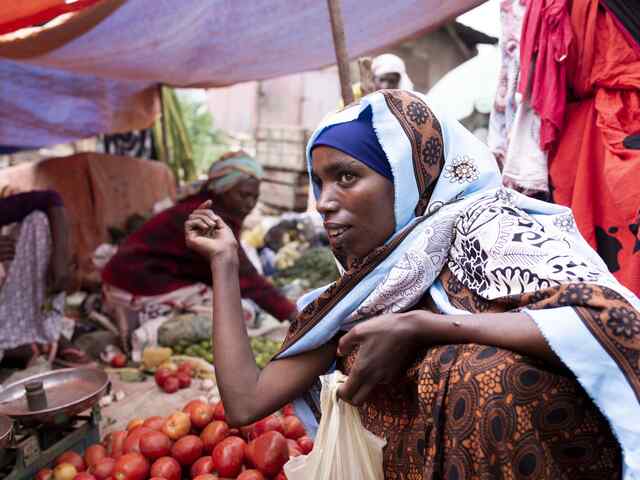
<point x="99" y="191"/>
<point x="590" y="169"/>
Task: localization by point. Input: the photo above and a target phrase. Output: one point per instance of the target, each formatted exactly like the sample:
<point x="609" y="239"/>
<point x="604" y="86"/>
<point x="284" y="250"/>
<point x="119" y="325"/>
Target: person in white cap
<point x="389" y="71"/>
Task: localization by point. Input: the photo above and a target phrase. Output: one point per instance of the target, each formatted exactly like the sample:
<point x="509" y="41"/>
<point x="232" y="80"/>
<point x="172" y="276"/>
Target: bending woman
<point x="154" y="272"/>
<point x="475" y="324"/>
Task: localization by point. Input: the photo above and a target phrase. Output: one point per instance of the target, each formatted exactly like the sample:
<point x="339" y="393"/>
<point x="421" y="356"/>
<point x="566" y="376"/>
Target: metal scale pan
<point x="68" y="392"/>
<point x="6" y="428"/>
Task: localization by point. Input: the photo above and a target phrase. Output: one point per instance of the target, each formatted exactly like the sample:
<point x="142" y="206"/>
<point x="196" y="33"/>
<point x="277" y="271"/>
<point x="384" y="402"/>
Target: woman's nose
<point x="326" y="202"/>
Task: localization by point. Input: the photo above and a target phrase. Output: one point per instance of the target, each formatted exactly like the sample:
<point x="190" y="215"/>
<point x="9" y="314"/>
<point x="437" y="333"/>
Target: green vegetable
<point x="263" y="350"/>
<point x="316" y="267"/>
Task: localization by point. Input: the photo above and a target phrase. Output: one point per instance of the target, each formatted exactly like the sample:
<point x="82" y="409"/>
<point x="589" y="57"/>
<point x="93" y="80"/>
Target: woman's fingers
<point x="349" y="341"/>
<point x="197" y="225"/>
<point x="208" y="214"/>
<point x="363" y="393"/>
<point x="206" y="220"/>
<point x="358" y="386"/>
<point x="350" y="387"/>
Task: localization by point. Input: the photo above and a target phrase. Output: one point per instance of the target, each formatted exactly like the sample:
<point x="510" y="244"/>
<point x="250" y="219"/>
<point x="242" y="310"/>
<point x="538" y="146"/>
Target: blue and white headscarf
<point x="451" y="210"/>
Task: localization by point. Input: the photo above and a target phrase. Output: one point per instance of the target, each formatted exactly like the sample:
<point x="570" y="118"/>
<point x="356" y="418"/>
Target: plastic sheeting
<point x="128" y="47"/>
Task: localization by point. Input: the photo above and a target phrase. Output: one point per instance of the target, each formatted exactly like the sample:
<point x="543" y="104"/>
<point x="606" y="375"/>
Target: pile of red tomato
<point x="195" y="443"/>
<point x="170" y="381"/>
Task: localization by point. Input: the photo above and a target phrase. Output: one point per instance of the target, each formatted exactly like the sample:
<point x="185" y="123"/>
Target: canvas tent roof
<point x="97" y="71"/>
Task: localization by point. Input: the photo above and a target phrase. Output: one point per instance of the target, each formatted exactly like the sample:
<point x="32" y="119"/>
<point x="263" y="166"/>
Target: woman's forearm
<point x="236" y="370"/>
<point x="511" y="331"/>
<point x="249" y="393"/>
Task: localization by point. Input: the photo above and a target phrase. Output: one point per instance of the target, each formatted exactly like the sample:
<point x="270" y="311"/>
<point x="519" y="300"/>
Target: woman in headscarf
<point x="389" y="71"/>
<point x="154" y="272"/>
<point x="481" y="335"/>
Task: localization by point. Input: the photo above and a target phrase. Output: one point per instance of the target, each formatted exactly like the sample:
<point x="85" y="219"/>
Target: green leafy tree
<point x="192" y="141"/>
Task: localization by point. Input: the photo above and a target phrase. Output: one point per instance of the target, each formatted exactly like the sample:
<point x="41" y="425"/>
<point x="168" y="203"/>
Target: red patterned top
<point x="155" y="260"/>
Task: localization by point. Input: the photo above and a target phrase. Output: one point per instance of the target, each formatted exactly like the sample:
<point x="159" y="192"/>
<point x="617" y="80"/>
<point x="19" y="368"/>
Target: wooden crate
<point x="282" y="148"/>
<point x="284" y="190"/>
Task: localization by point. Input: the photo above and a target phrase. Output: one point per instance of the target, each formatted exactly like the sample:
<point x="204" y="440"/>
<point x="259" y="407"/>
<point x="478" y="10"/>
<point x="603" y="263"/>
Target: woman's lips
<point x="335" y="231"/>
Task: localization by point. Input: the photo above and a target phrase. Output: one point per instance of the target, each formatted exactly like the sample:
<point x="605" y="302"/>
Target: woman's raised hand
<point x="207" y="234"/>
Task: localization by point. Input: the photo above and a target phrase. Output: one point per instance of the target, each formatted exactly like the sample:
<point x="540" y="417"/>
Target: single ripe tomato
<point x="119" y="360"/>
<point x="73" y="458"/>
<point x="218" y="412"/>
<point x="166" y="467"/>
<point x="154" y="423"/>
<point x="268" y="424"/>
<point x="187" y="449"/>
<point x="132" y="443"/>
<point x="45" y="474"/>
<point x="93" y="454"/>
<point x="186" y="367"/>
<point x="161" y="375"/>
<point x="192" y="403"/>
<point x="135" y="423"/>
<point x="213" y="434"/>
<point x="201" y="466"/>
<point x="171" y="384"/>
<point x="251" y="475"/>
<point x="131" y="466"/>
<point x="228" y="456"/>
<point x="293" y="427"/>
<point x="184" y="379"/>
<point x="201" y="413"/>
<point x="178" y="425"/>
<point x="268" y="453"/>
<point x="103" y="469"/>
<point x="288" y="409"/>
<point x="115" y="444"/>
<point x="306" y="444"/>
<point x="154" y="444"/>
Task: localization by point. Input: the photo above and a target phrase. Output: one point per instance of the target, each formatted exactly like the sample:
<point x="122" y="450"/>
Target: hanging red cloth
<point x="544" y="47"/>
<point x="591" y="170"/>
<point x="29" y="14"/>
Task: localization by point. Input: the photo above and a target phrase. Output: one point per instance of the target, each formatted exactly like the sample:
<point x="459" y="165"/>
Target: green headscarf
<point x="232" y="169"/>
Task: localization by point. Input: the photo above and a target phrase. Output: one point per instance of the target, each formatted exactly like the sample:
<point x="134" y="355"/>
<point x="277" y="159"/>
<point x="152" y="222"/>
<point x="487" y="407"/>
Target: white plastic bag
<point x="343" y="448"/>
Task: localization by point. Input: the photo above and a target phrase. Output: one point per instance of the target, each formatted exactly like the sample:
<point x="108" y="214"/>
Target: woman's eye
<point x="347" y="177"/>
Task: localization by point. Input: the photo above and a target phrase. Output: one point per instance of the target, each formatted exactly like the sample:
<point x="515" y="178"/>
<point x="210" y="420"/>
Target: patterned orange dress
<point x="478" y="412"/>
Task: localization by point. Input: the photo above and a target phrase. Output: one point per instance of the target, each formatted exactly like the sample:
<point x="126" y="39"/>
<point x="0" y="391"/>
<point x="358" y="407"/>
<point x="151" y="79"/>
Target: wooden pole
<point x="163" y="124"/>
<point x="340" y="45"/>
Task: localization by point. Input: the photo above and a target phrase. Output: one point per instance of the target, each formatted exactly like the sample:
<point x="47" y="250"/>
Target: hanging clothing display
<point x="514" y="128"/>
<point x="525" y="165"/>
<point x="594" y="166"/>
<point x="544" y="47"/>
<point x="505" y="105"/>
